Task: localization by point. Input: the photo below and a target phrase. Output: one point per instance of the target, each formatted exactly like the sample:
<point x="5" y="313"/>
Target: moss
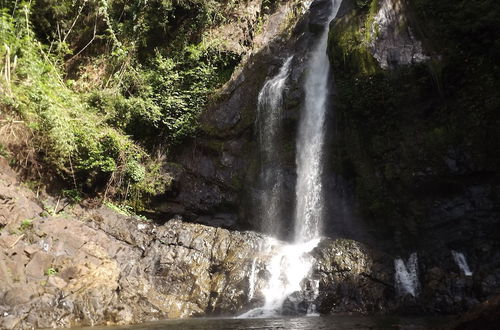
<point x="237" y="183"/>
<point x="397" y="128"/>
<point x="348" y="46"/>
<point x="370" y="26"/>
<point x="213" y="145"/>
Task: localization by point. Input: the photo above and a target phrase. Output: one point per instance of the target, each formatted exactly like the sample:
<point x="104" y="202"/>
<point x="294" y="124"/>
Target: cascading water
<point x="291" y="264"/>
<point x="310" y="141"/>
<point x="288" y="266"/>
<point x="406" y="276"/>
<point x="461" y="262"/>
<point x="252" y="279"/>
<point x="270" y="108"/>
<point x="311" y="309"/>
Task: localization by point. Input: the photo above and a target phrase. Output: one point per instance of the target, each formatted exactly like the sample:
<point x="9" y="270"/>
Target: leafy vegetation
<point x="26" y="224"/>
<point x="100" y="86"/>
<point x="51" y="272"/>
<point x="73" y="139"/>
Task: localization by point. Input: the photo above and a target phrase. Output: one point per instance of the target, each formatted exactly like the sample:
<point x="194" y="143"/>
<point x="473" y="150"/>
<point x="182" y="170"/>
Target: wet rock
<point x="107" y="268"/>
<point x="320" y="11"/>
<point x="219" y="168"/>
<point x="353" y="278"/>
<point x="295" y="305"/>
<point x="450" y="203"/>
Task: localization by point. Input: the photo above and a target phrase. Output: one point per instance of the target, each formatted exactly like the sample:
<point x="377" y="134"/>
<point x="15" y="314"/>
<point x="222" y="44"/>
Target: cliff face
<point x="415" y="115"/>
<point x="414" y="133"/>
<point x="63" y="265"/>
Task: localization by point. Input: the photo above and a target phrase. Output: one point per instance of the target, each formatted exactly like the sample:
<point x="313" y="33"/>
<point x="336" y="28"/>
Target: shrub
<point x="72" y="138"/>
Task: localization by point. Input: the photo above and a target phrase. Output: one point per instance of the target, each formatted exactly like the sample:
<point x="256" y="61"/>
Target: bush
<point x="73" y="139"/>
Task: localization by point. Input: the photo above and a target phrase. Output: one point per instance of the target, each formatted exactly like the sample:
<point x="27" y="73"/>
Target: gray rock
<point x="39" y="264"/>
<point x="393" y="42"/>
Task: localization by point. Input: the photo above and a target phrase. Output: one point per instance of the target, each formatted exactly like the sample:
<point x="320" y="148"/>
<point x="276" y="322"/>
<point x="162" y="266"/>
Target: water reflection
<point x="309" y="323"/>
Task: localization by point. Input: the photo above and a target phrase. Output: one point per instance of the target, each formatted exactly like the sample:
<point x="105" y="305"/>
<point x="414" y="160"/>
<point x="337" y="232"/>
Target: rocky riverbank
<point x="85" y="266"/>
<point x="88" y="267"/>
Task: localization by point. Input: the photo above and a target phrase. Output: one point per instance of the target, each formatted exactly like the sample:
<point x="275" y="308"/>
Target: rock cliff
<point x="420" y="163"/>
<point x="64" y="265"/>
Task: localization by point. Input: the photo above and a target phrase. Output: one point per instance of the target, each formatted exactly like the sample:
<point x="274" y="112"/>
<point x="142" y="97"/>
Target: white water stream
<point x="406" y="276"/>
<point x="311" y="140"/>
<point x="288" y="266"/>
<point x="252" y="279"/>
<point x="269" y="115"/>
<point x="461" y="262"/>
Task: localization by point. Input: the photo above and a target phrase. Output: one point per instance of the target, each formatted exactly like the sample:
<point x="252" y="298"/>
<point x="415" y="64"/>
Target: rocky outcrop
<point x="353" y="278"/>
<point x="392" y="39"/>
<point x="88" y="267"/>
<point x="111" y="269"/>
<point x="62" y="265"/>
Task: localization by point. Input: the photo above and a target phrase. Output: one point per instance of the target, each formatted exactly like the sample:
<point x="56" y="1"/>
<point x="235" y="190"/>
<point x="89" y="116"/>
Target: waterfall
<point x="407" y="275"/>
<point x="252" y="279"/>
<point x="310" y="141"/>
<point x="270" y="107"/>
<point x="461" y="262"/>
<point x="290" y="265"/>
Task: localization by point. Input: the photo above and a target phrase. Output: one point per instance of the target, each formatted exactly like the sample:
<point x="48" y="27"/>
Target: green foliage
<point x="73" y="138"/>
<point x="26" y="224"/>
<point x="160" y="70"/>
<point x="160" y="103"/>
<point x="97" y="79"/>
<point x="74" y="195"/>
<point x="51" y="272"/>
<point x="120" y="209"/>
<point x="126" y="210"/>
<point x="105" y="84"/>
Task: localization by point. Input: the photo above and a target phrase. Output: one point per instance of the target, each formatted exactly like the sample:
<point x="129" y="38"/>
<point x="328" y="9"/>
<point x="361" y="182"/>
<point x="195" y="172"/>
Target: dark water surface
<point x="309" y="323"/>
